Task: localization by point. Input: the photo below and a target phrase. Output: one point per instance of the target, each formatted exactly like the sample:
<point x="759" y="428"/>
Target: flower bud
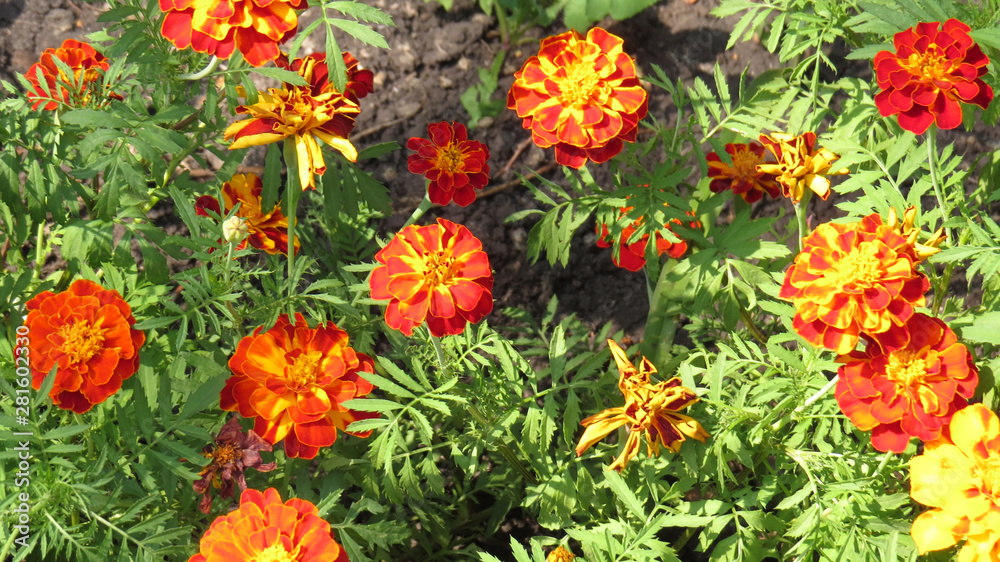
<point x="234" y="230"/>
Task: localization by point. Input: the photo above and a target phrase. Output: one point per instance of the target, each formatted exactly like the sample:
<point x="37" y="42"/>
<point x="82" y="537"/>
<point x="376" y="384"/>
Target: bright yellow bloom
<point x="959" y="476"/>
<point x="908" y="231"/>
<point x="799" y="164"/>
<point x="649" y="408"/>
<point x="560" y="554"/>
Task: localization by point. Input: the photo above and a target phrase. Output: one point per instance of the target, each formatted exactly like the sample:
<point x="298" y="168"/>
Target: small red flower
<point x="232" y="453"/>
<point x="75" y="91"/>
<point x="266" y="231"/>
<point x="632" y="255"/>
<point x="743" y="177"/>
<point x="931" y="74"/>
<point x="455" y="165"/>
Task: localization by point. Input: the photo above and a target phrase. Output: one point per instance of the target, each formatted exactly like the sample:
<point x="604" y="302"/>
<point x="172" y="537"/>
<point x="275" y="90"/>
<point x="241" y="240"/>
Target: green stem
<point x="39" y="251"/>
<point x="504" y="27"/>
<point x="419" y="211"/>
<point x="819" y="394"/>
<point x="932" y="164"/>
<point x="292" y="190"/>
<point x="751" y="325"/>
<point x="212" y="63"/>
<point x="801" y="212"/>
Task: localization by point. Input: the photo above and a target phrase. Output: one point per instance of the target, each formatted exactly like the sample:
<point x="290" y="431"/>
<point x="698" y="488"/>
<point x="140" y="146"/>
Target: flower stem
<point x="419" y="211"/>
<point x="212" y="63"/>
<point x="291" y="191"/>
<point x="39" y="245"/>
<point x="801" y="211"/>
<point x="931" y="143"/>
<point x="819" y="394"/>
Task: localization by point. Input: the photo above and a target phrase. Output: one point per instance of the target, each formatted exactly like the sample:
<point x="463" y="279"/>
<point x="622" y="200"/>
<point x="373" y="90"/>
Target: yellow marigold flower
<point x="649" y="408"/>
<point x="906" y="229"/>
<point x="560" y="554"/>
<point x="959" y="476"/>
<point x="799" y="165"/>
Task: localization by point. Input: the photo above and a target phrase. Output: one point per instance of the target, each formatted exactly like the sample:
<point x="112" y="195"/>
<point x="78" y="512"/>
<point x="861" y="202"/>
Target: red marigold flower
<point x="931" y="74"/>
<point x="232" y="453"/>
<point x="438" y="273"/>
<point x="910" y="391"/>
<point x="852" y="278"/>
<point x="743" y="177"/>
<point x="85" y="331"/>
<point x="580" y="95"/>
<point x="800" y="165"/>
<point x="266" y="231"/>
<point x="77" y="91"/>
<point x="302" y="114"/>
<point x="293" y="379"/>
<point x="360" y="81"/>
<point x="218" y="27"/>
<point x="632" y="255"/>
<point x="265" y="529"/>
<point x="455" y="165"/>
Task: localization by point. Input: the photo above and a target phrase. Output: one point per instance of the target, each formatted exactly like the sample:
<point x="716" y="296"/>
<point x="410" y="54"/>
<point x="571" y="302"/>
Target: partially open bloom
<point x="800" y="165"/>
<point x="912" y="391"/>
<point x="78" y="90"/>
<point x="264" y="231"/>
<point x="632" y="255"/>
<point x="852" y="278"/>
<point x="580" y="95"/>
<point x="300" y="115"/>
<point x="905" y="228"/>
<point x="86" y="332"/>
<point x="959" y="477"/>
<point x="438" y="273"/>
<point x="743" y="177"/>
<point x="266" y="530"/>
<point x="650" y="409"/>
<point x="293" y="379"/>
<point x="560" y="554"/>
<point x="931" y="74"/>
<point x="232" y="453"/>
<point x="218" y="27"/>
<point x="455" y="166"/>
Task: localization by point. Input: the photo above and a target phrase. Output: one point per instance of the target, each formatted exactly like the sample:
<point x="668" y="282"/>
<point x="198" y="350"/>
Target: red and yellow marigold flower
<point x="650" y="409"/>
<point x="931" y="74"/>
<point x="74" y="91"/>
<point x="905" y="228"/>
<point x="293" y="379"/>
<point x="853" y="278"/>
<point x="438" y="273"/>
<point x="454" y="165"/>
<point x="301" y="114"/>
<point x="86" y="332"/>
<point x="743" y="177"/>
<point x="265" y="231"/>
<point x="911" y="391"/>
<point x="632" y="255"/>
<point x="218" y="27"/>
<point x="266" y="529"/>
<point x="800" y="165"/>
<point x="959" y="477"/>
<point x="560" y="554"/>
<point x="580" y="95"/>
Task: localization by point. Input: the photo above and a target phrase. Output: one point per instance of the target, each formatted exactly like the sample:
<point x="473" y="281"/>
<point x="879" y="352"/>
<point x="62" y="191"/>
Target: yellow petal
<point x="932" y="531"/>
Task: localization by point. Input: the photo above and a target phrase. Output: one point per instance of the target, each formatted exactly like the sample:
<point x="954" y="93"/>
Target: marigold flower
<point x="455" y="166"/>
<point x="906" y="229"/>
<point x="77" y="91"/>
<point x="799" y="165"/>
<point x="265" y="529"/>
<point x="218" y="27"/>
<point x="931" y="74"/>
<point x="85" y="331"/>
<point x="438" y="273"/>
<point x="852" y="278"/>
<point x="300" y="115"/>
<point x="580" y="95"/>
<point x="743" y="177"/>
<point x="560" y="554"/>
<point x="959" y="476"/>
<point x="232" y="452"/>
<point x="293" y="379"/>
<point x="912" y="391"/>
<point x="264" y="231"/>
<point x="632" y="256"/>
<point x="650" y="409"/>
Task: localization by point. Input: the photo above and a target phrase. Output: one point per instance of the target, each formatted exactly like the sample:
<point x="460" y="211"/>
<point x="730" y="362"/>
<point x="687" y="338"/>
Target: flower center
<point x="906" y="368"/>
<point x="226" y="453"/>
<point x="450" y="158"/>
<point x="81" y="340"/>
<point x="437" y="268"/>
<point x="304" y="369"/>
<point x="745" y="163"/>
<point x="277" y="553"/>
<point x="861" y="268"/>
<point x="580" y="85"/>
<point x="931" y="65"/>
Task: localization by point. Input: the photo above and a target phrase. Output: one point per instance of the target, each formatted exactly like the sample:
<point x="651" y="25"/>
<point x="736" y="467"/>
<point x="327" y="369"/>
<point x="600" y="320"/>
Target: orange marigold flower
<point x="293" y="379"/>
<point x="580" y="95"/>
<point x="909" y="391"/>
<point x="743" y="177"/>
<point x="265" y="231"/>
<point x="265" y="529"/>
<point x="799" y="165"/>
<point x="931" y="74"/>
<point x="85" y="331"/>
<point x="75" y="91"/>
<point x="455" y="166"/>
<point x="218" y="27"/>
<point x="959" y="477"/>
<point x="906" y="229"/>
<point x="650" y="409"/>
<point x="632" y="255"/>
<point x="232" y="453"/>
<point x="300" y="115"/>
<point x="438" y="273"/>
<point x="560" y="554"/>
